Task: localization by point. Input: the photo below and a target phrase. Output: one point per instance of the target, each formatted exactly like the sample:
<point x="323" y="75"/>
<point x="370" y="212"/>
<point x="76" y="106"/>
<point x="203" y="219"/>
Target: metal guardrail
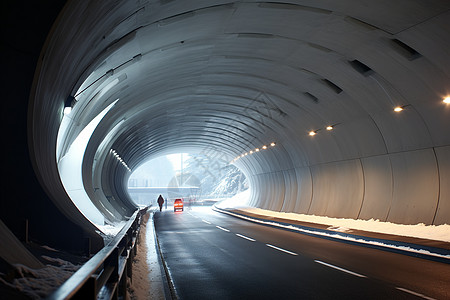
<point x="104" y="276"/>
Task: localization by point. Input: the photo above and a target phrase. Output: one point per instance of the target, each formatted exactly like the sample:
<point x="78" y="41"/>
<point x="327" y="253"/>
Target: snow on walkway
<point x="431" y="232"/>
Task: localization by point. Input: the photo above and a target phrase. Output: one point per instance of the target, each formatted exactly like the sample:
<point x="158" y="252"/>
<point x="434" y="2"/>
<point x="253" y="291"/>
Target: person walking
<point x="160" y="202"/>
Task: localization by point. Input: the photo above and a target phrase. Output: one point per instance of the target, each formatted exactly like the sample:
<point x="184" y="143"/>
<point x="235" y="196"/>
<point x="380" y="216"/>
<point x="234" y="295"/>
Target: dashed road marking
<point x="281" y="249"/>
<point x="206" y="222"/>
<point x="340" y="269"/>
<point x="414" y="293"/>
<point x="224" y="229"/>
<point x="246" y="237"/>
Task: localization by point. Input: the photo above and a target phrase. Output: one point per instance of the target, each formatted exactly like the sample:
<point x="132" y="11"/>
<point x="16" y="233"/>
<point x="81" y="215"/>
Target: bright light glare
<point x="398" y="109"/>
<point x="264" y="147"/>
<point x="312" y="133"/>
<point x="330" y="127"/>
<point x="272" y="144"/>
<point x="67" y="110"/>
<point x="447" y="100"/>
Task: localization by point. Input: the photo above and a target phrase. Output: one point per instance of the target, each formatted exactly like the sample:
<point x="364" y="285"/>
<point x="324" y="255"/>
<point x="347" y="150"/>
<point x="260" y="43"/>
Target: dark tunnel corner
<point x="25" y="208"/>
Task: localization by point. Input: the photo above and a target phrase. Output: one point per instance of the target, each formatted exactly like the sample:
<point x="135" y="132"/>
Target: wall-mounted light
<point x="117" y="156"/>
<point x="330" y="127"/>
<point x="312" y="133"/>
<point x="264" y="147"/>
<point x="401" y="108"/>
<point x="272" y="144"/>
<point x="446" y="100"/>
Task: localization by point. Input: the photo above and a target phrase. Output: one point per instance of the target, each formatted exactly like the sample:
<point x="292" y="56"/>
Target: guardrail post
<point x="88" y="290"/>
<point x="113" y="261"/>
<point x="26" y="231"/>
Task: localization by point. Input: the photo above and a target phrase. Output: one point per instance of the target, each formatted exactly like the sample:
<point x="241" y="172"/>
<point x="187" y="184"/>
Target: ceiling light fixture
<point x="272" y="144"/>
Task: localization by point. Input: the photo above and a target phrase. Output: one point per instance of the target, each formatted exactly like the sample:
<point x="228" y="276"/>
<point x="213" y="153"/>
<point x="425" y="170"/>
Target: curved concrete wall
<point x="377" y="188"/>
<point x="407" y="187"/>
<point x="217" y="77"/>
<point x="416" y="187"/>
<point x="337" y="189"/>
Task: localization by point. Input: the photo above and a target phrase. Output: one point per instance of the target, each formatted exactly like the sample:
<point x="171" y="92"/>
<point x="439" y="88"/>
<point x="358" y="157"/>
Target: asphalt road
<point x="210" y="255"/>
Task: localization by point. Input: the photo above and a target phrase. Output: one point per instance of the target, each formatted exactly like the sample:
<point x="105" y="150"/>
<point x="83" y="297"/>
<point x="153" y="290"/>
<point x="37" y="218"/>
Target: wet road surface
<point x="210" y="255"/>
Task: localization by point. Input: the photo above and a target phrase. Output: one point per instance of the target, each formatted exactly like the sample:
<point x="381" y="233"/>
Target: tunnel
<point x="337" y="109"/>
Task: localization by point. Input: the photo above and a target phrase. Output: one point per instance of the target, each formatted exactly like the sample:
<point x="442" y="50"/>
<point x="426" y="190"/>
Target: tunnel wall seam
<point x="439" y="185"/>
<point x="364" y="188"/>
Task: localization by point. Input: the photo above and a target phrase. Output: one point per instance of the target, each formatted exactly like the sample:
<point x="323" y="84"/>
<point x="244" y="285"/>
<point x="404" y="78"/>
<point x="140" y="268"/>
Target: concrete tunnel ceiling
<point x="228" y="77"/>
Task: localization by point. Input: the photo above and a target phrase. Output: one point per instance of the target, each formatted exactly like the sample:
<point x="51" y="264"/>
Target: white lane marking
<point x="340" y="269"/>
<point x="206" y="222"/>
<point x="224" y="229"/>
<point x="245" y="237"/>
<point x="414" y="293"/>
<point x="281" y="249"/>
<point x="336" y="236"/>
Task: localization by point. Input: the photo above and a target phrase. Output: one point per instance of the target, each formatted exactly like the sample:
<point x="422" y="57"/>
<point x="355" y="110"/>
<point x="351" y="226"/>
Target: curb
<point x="169" y="288"/>
<point x="415" y="250"/>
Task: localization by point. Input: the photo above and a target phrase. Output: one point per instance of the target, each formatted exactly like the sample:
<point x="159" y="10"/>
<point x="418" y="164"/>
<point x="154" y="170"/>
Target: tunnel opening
<point x="198" y="179"/>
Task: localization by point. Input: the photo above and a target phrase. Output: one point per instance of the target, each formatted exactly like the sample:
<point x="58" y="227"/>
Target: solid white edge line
<point x="333" y="235"/>
<point x="281" y="249"/>
<point x="340" y="269"/>
<point x="224" y="229"/>
<point x="245" y="237"/>
<point x="414" y="293"/>
<point x="206" y="222"/>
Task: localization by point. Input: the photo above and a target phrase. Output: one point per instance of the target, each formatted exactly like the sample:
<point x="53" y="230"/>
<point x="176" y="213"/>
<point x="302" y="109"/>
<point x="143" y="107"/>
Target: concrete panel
<point x="304" y="186"/>
<point x="338" y="189"/>
<point x="277" y="191"/>
<point x="403" y="131"/>
<point x="443" y="210"/>
<point x="290" y="196"/>
<point x="416" y="187"/>
<point x="377" y="188"/>
<point x="266" y="193"/>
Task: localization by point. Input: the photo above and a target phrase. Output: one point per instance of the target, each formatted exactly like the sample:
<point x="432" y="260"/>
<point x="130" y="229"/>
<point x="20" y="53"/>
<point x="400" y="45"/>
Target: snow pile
<point x="237" y="201"/>
<point x="347" y="237"/>
<point x="432" y="232"/>
<point x="39" y="283"/>
<point x="109" y="231"/>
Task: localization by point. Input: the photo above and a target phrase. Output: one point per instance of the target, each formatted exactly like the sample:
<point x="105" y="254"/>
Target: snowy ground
<point x="432" y="232"/>
<point x="39" y="283"/>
